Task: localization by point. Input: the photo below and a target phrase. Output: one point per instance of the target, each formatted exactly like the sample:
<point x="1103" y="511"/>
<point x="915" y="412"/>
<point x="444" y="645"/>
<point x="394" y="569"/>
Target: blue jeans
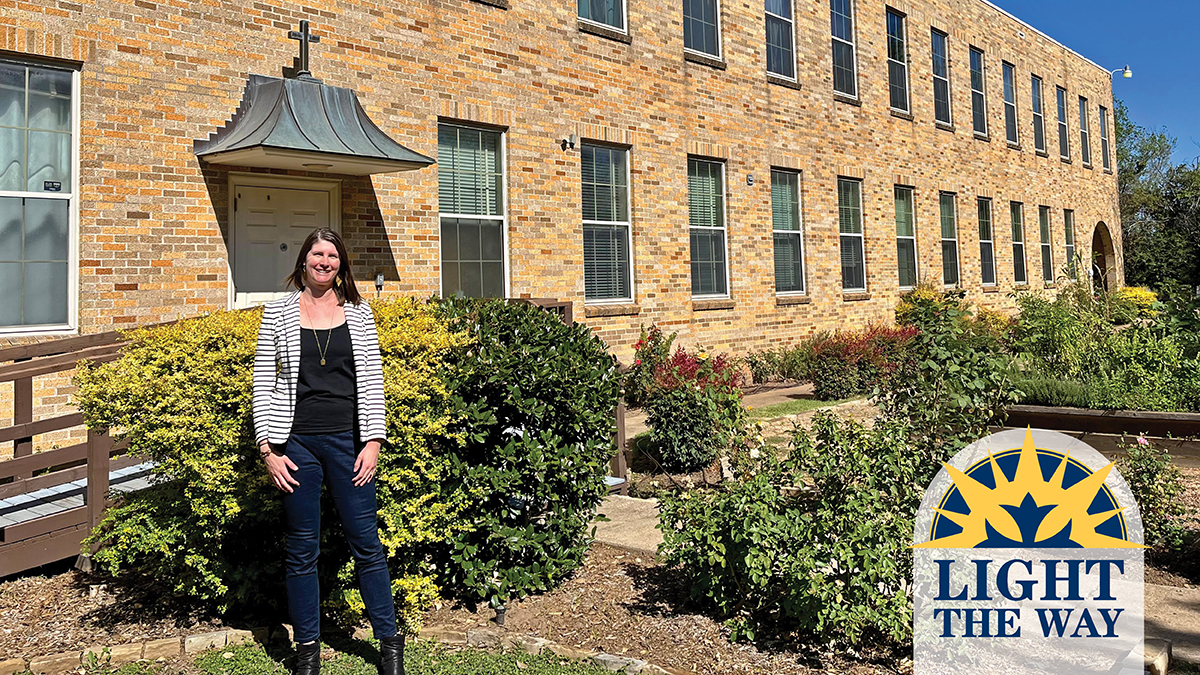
<point x="329" y="459"/>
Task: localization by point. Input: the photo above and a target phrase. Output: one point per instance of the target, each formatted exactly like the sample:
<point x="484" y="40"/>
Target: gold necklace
<point x="317" y="337"/>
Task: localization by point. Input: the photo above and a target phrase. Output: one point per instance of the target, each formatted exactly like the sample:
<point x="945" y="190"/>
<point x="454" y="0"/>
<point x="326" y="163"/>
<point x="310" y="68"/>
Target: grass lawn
<point x="421" y="658"/>
<point x="794" y="407"/>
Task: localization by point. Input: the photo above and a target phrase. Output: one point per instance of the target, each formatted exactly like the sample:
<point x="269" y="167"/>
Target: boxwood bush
<point x="499" y="431"/>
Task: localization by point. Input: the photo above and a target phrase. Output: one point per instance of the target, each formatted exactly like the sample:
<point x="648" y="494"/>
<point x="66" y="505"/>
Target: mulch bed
<point x="627" y="604"/>
<point x="63" y="610"/>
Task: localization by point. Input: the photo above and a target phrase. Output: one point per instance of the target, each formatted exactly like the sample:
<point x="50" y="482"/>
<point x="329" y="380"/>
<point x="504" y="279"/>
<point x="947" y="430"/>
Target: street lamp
<point x="1125" y="72"/>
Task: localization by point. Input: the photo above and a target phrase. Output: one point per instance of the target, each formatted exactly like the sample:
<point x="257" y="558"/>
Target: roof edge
<point x="1042" y="33"/>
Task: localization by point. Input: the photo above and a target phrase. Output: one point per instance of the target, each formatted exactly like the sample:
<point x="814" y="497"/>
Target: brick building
<point x="744" y="174"/>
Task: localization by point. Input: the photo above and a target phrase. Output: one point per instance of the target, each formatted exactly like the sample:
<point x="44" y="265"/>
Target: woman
<point x="319" y="419"/>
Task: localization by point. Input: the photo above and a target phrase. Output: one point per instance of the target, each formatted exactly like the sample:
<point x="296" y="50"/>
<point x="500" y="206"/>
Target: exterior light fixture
<point x="1125" y="72"/>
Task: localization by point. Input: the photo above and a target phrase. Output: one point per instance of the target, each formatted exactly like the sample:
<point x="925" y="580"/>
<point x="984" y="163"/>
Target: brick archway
<point x="1104" y="259"/>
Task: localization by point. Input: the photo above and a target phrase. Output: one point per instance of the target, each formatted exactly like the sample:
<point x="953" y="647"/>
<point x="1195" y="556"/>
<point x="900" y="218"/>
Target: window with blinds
<point x="1017" y="210"/>
<point x="606" y="233"/>
<point x="941" y="77"/>
<point x="37" y="168"/>
<point x="788" y="231"/>
<point x="845" y="76"/>
<point x="471" y="205"/>
<point x="1069" y="249"/>
<point x="701" y="27"/>
<point x="850" y="227"/>
<point x="706" y="213"/>
<point x="609" y="13"/>
<point x="1047" y="254"/>
<point x="906" y="238"/>
<point x="949" y="217"/>
<point x="987" y="248"/>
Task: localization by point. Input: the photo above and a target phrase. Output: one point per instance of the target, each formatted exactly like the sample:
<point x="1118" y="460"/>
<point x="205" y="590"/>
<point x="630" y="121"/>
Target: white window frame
<point x="982" y="93"/>
<point x="71" y="327"/>
<point x="799" y="233"/>
<point x="628" y="230"/>
<point x="1064" y="128"/>
<point x="912" y="196"/>
<point x="1105" y="148"/>
<point x="503" y="205"/>
<point x="1038" y="102"/>
<point x="1010" y="107"/>
<point x="991" y="214"/>
<point x="861" y="234"/>
<point x="853" y="42"/>
<point x="1046" y="236"/>
<point x="791" y="21"/>
<point x="1085" y="133"/>
<point x="720" y="42"/>
<point x="724" y="228"/>
<point x="1069" y="240"/>
<point x="943" y="239"/>
<point x="888" y="53"/>
<point x="1016" y="212"/>
<point x="949" y="91"/>
<point x="601" y="24"/>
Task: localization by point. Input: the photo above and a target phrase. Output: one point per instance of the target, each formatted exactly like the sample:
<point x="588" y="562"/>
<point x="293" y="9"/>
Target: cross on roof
<point x="304" y="37"/>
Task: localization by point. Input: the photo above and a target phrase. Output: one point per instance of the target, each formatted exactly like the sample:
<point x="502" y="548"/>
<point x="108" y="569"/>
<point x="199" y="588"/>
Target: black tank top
<point x="325" y="394"/>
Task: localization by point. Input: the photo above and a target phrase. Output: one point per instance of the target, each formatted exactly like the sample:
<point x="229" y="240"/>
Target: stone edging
<point x="169" y="648"/>
<point x="493" y="638"/>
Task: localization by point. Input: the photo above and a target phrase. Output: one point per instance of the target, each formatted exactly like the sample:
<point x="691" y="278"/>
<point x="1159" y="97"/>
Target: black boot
<point x="391" y="651"/>
<point x="308" y="659"/>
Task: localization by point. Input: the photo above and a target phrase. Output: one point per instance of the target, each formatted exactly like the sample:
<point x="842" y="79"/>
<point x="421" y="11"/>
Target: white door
<point x="270" y="225"/>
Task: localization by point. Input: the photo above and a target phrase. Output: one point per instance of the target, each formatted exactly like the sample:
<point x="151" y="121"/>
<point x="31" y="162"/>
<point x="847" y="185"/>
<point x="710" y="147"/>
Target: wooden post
<point x="99" y="446"/>
<point x="619" y="467"/>
<point x="22" y="414"/>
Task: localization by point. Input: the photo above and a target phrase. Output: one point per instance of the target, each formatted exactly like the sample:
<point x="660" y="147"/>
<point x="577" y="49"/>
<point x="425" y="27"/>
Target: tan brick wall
<point x="159" y="76"/>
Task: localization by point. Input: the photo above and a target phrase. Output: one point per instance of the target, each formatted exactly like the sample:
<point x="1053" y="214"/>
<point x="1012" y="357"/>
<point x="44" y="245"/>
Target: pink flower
<point x="637" y="362"/>
<point x="1141" y="440"/>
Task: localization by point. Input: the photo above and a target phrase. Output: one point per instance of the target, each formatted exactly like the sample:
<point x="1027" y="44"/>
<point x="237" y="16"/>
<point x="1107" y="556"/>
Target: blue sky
<point x="1159" y="39"/>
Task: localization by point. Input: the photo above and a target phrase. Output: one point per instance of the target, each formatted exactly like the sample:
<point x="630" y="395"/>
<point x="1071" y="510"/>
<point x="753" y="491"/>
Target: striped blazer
<point x="277" y="369"/>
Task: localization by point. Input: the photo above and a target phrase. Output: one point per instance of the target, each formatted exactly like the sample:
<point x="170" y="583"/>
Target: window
<point x="701" y="27"/>
<point x="1039" y="119"/>
<point x="854" y="265"/>
<point x="1104" y="155"/>
<point x="1064" y="148"/>
<point x="1010" y="104"/>
<point x="606" y="237"/>
<point x="609" y="13"/>
<point x="987" y="249"/>
<point x="1085" y="141"/>
<point x="1018" y="240"/>
<point x="37" y="209"/>
<point x="1069" y="226"/>
<point x="906" y="238"/>
<point x="706" y="208"/>
<point x="471" y="202"/>
<point x="949" y="240"/>
<point x="897" y="61"/>
<point x="785" y="219"/>
<point x="1047" y="258"/>
<point x="781" y="57"/>
<point x="845" y="79"/>
<point x="978" y="100"/>
<point x="941" y="79"/>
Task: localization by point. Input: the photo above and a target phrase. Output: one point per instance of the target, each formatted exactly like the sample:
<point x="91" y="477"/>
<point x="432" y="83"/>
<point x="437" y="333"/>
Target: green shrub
<point x="499" y="432"/>
<point x="955" y="383"/>
<point x="833" y="566"/>
<point x="1054" y="392"/>
<point x="686" y="430"/>
<point x="651" y="352"/>
<point x="530" y="445"/>
<point x="1157" y="484"/>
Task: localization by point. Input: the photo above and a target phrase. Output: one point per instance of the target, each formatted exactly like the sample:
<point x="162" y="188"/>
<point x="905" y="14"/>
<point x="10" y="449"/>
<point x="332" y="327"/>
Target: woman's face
<point x="322" y="264"/>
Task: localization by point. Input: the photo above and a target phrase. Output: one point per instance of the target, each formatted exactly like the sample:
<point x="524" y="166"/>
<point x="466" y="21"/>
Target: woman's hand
<point x="280" y="468"/>
<point x="364" y="466"/>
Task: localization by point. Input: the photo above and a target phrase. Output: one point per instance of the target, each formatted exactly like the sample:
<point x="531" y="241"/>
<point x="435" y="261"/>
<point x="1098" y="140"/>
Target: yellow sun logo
<point x="1031" y="498"/>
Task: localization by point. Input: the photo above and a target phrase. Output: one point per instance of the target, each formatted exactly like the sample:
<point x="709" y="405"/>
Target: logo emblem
<point x="1028" y="558"/>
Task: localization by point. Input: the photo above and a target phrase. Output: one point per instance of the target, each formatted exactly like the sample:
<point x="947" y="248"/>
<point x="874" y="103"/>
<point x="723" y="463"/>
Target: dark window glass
<point x="978" y="100"/>
<point x="608" y="12"/>
<point x="700" y="27"/>
<point x="842" y="19"/>
<point x="941" y="79"/>
<point x="781" y="59"/>
<point x="897" y="61"/>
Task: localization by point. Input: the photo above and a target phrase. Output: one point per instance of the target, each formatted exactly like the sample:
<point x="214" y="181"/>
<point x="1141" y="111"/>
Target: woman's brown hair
<point x="343" y="283"/>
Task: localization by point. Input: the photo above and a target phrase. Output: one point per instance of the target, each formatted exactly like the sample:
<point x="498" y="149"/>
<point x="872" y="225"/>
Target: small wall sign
<point x="52" y="186"/>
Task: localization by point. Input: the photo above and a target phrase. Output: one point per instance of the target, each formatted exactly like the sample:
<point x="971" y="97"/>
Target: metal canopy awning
<point x="300" y="123"/>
